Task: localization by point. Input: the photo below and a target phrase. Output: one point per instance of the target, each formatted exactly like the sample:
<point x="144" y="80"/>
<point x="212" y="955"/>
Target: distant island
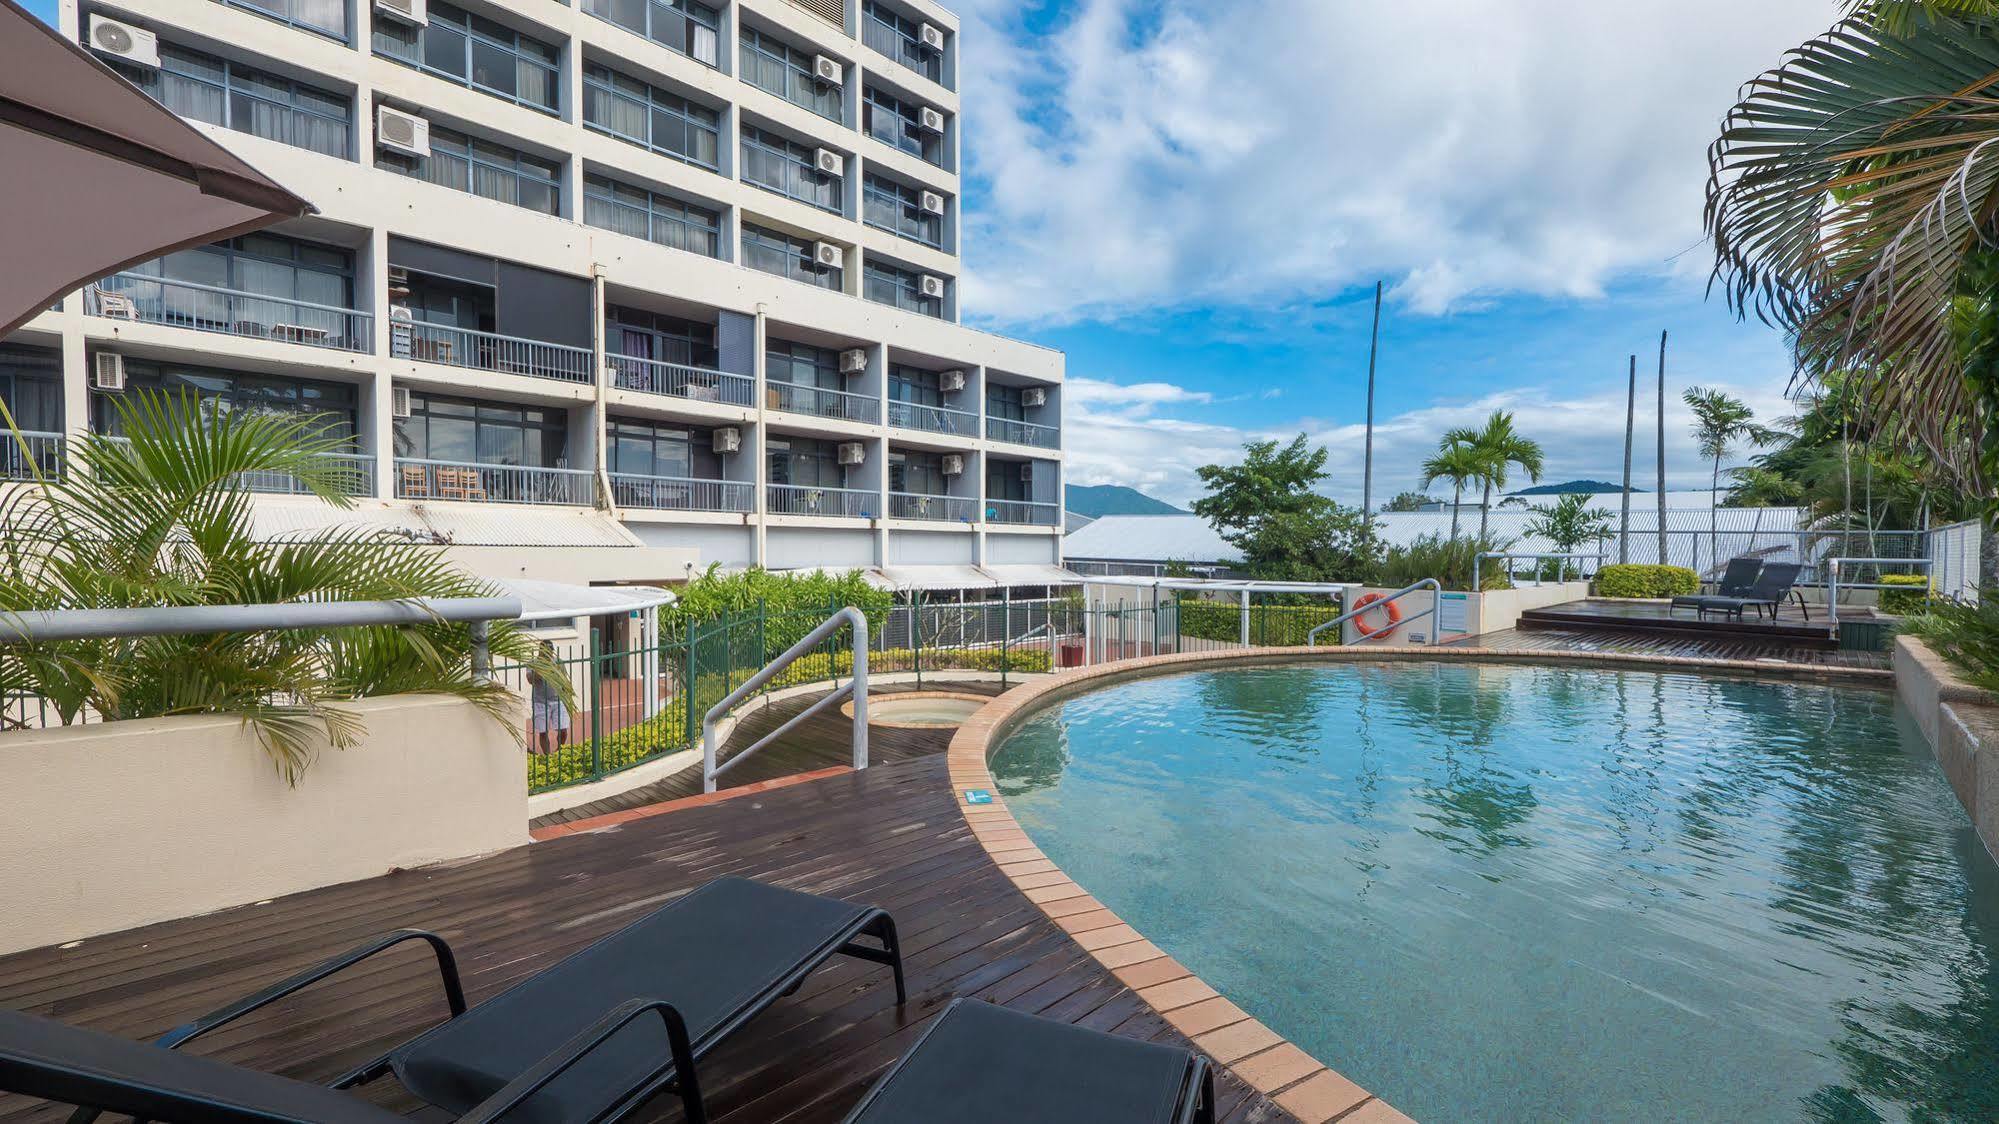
<point x="1099" y="500"/>
<point x="1573" y="488"/>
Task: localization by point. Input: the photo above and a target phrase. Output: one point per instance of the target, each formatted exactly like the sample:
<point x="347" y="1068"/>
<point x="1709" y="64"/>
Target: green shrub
<point x="1450" y="561"/>
<point x="792" y="604"/>
<point x="1270" y="626"/>
<point x="1635" y="580"/>
<point x="1911" y="599"/>
<point x="1966" y="634"/>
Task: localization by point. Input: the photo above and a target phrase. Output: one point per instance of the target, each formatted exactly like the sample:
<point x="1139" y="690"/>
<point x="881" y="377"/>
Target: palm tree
<point x="158" y="517"/>
<point x="1457" y="462"/>
<point x="1720" y="420"/>
<point x="1499" y="447"/>
<point x="1570" y="522"/>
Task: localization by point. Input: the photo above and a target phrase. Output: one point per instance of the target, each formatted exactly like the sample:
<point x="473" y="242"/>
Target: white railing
<point x="823" y="403"/>
<point x="680" y="493"/>
<point x="678" y="380"/>
<point x="856" y="688"/>
<point x="1024" y="513"/>
<point x="942" y="509"/>
<point x="1023" y="433"/>
<point x="30" y="454"/>
<point x="354" y="472"/>
<point x="1833" y="567"/>
<point x="1435" y="587"/>
<point x="844" y="503"/>
<point x="230" y="312"/>
<point x="1954" y="559"/>
<point x="1561" y="561"/>
<point x="469" y="482"/>
<point x="933" y="419"/>
<point x="488" y="351"/>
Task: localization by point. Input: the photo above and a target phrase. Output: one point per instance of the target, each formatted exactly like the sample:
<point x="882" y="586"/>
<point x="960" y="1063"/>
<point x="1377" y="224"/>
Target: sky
<point x="1195" y="198"/>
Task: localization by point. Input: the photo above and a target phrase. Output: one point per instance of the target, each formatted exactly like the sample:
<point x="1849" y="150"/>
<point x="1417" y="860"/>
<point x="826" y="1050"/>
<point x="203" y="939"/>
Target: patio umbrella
<point x="96" y="176"/>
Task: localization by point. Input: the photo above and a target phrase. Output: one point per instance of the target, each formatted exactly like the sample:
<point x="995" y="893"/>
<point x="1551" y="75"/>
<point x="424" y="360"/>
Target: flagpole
<point x="1663" y="560"/>
<point x="1630" y="424"/>
<point x="1367" y="462"/>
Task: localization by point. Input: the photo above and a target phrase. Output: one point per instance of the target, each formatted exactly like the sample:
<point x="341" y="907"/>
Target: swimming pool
<point x="1515" y="892"/>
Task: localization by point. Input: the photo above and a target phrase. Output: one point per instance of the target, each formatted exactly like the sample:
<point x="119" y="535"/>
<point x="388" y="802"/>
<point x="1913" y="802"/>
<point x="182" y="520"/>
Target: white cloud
<point x="1147" y="155"/>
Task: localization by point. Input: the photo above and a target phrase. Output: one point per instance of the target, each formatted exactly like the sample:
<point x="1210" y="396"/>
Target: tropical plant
<point x="1569" y="522"/>
<point x="1720" y="420"/>
<point x="1406" y="501"/>
<point x="1450" y="561"/>
<point x="158" y="517"/>
<point x="1498" y="448"/>
<point x="1966" y="633"/>
<point x="1635" y="579"/>
<point x="712" y="595"/>
<point x="1457" y="462"/>
<point x="1268" y="508"/>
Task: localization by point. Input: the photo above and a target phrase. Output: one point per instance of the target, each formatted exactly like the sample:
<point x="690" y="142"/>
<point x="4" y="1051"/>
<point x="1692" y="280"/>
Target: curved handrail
<point x="1433" y="585"/>
<point x="856" y="689"/>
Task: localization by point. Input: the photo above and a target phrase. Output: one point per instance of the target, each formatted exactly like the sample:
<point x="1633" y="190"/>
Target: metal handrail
<point x="813" y="499"/>
<point x="823" y="402"/>
<point x="1561" y="573"/>
<point x="933" y="419"/>
<point x="1017" y="432"/>
<point x="1435" y="587"/>
<point x="418" y="478"/>
<point x="233" y="312"/>
<point x="488" y="351"/>
<point x="1023" y="513"/>
<point x="681" y="493"/>
<point x="680" y="380"/>
<point x="924" y="505"/>
<point x="856" y="689"/>
<point x="1832" y="581"/>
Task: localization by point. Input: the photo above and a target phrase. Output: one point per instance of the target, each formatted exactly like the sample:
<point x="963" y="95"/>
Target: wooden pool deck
<point x="1612" y="642"/>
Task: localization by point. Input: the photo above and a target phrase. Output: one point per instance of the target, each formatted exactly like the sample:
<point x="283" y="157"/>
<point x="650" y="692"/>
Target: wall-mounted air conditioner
<point x="399" y="401"/>
<point x="828" y="70"/>
<point x="1034" y="396"/>
<point x="1027" y="472"/>
<point x="931" y="36"/>
<point x="852" y="452"/>
<point x="124" y="42"/>
<point x="931" y="120"/>
<point x="951" y="382"/>
<point x="107" y="372"/>
<point x="828" y="162"/>
<point x="408" y="11"/>
<point x="728" y="439"/>
<point x="953" y="464"/>
<point x="931" y="203"/>
<point x="829" y="256"/>
<point x="931" y="286"/>
<point x="402" y="132"/>
<point x="853" y="361"/>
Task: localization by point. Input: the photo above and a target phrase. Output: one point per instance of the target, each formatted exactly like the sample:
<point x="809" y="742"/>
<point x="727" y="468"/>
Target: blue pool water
<point x="1518" y="893"/>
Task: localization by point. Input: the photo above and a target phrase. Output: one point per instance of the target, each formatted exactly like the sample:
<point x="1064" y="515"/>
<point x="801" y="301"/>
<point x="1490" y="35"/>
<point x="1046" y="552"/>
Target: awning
<point x="1032" y="574"/>
<point x="97" y="176"/>
<point x="276" y="518"/>
<point x="554" y="601"/>
<point x="910" y="578"/>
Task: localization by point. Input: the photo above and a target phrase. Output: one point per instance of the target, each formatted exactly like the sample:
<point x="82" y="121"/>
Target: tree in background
<point x="1406" y="501"/>
<point x="1498" y="448"/>
<point x="1569" y="522"/>
<point x="1457" y="462"/>
<point x="1721" y="420"/>
<point x="1268" y="507"/>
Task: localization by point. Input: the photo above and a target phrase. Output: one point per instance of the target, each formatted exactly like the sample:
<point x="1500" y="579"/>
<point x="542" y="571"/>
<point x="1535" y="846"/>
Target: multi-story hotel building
<point x="597" y="291"/>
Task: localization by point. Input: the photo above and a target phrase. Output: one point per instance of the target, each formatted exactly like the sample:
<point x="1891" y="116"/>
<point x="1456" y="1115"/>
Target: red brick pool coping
<point x="1294" y="1079"/>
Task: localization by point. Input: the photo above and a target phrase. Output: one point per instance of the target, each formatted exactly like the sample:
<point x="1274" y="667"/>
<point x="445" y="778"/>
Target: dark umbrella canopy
<point x="96" y="176"/>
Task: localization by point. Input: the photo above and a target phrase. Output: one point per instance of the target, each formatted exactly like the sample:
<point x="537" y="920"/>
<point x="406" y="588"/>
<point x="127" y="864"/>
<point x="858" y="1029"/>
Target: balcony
<point x="1023" y="433"/>
<point x="354" y="476"/>
<point x="488" y="351"/>
<point x="939" y="509"/>
<point x="677" y="493"/>
<point x="820" y="402"/>
<point x="933" y="419"/>
<point x="229" y="312"/>
<point x="807" y="499"/>
<point x="678" y="380"/>
<point x="1024" y="513"/>
<point x="30" y="455"/>
<point x="493" y="483"/>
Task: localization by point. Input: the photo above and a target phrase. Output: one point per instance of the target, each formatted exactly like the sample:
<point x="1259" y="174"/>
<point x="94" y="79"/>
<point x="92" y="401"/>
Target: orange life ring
<point x="1393" y="610"/>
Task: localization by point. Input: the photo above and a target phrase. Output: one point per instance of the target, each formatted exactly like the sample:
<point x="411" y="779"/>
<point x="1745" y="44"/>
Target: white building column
<point x="379" y="426"/>
<point x="755" y="446"/>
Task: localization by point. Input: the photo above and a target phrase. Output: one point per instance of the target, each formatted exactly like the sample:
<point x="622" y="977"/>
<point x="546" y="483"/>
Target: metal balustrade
<point x="488" y="351"/>
<point x="941" y="509"/>
<point x="29" y="454"/>
<point x="680" y="493"/>
<point x="823" y="403"/>
<point x="1024" y="513"/>
<point x="806" y="499"/>
<point x="231" y="312"/>
<point x="933" y="419"/>
<point x="354" y="472"/>
<point x="1023" y="433"/>
<point x="464" y="481"/>
<point x="678" y="380"/>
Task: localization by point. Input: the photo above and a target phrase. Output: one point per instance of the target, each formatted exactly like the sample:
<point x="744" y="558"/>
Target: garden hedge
<point x="1270" y="626"/>
<point x="1635" y="580"/>
<point x="1902" y="602"/>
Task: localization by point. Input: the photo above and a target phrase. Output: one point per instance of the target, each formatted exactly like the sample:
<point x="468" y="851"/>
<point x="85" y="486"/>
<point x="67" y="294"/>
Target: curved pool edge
<point x="1295" y="1080"/>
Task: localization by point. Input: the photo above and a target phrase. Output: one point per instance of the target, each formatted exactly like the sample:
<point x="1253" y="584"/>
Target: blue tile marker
<point x="978" y="796"/>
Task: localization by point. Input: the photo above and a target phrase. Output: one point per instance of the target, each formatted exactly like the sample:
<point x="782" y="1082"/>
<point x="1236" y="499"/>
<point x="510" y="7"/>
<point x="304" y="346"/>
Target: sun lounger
<point x="1774" y="584"/>
<point x="983" y="1064"/>
<point x="1736" y="581"/>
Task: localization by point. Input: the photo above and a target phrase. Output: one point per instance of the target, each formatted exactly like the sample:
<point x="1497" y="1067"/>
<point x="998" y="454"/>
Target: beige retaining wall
<point x="1962" y="725"/>
<point x="128" y="823"/>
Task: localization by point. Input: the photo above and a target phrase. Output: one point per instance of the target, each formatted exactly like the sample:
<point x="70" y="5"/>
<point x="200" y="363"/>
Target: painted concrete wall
<point x="1962" y="725"/>
<point x="107" y="827"/>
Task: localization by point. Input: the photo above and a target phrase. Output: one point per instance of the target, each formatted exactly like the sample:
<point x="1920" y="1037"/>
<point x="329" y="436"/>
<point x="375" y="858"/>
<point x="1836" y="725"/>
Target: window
<point x="268" y="265"/>
<point x="1004" y="402"/>
<point x="649" y="215"/>
<point x="205" y="88"/>
<point x="903" y="288"/>
<point x="773" y="252"/>
<point x="888" y="205"/>
<point x="918" y="388"/>
<point x="648" y="449"/>
<point x="896" y="35"/>
<point x="920" y="474"/>
<point x="459" y="429"/>
<point x="782" y="69"/>
<point x="332" y="405"/>
<point x="1004" y="483"/>
<point x="898" y="123"/>
<point x="803" y="365"/>
<point x="786" y="167"/>
<point x="327" y="17"/>
<point x="474" y="51"/>
<point x="651" y="117"/>
<point x="691" y="28"/>
<point x="31" y="386"/>
<point x="637" y="334"/>
<point x="482" y="168"/>
<point x="803" y="462"/>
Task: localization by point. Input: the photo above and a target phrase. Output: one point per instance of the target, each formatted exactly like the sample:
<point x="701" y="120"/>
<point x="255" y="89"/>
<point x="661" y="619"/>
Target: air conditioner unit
<point x="853" y="362"/>
<point x="931" y="203"/>
<point x="728" y="439"/>
<point x="931" y="120"/>
<point x="1027" y="472"/>
<point x="953" y="464"/>
<point x="399" y="401"/>
<point x="408" y="11"/>
<point x="402" y="132"/>
<point x="124" y="42"/>
<point x="1034" y="396"/>
<point x="828" y="162"/>
<point x="828" y="70"/>
<point x="931" y="36"/>
<point x="931" y="285"/>
<point x="853" y="452"/>
<point x="828" y="255"/>
<point x="107" y="371"/>
<point x="951" y="382"/>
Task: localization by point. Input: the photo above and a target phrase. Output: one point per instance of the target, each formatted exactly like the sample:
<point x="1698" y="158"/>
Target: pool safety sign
<point x="978" y="796"/>
<point x="1452" y="614"/>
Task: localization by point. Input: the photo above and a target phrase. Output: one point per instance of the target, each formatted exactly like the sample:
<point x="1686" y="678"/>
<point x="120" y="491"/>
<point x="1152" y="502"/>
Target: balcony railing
<point x="677" y="493"/>
<point x="1024" y="513"/>
<point x="354" y="476"/>
<point x="678" y="380"/>
<point x="823" y="403"/>
<point x="34" y="453"/>
<point x="488" y="351"/>
<point x="493" y="483"/>
<point x="942" y="509"/>
<point x="806" y="499"/>
<point x="933" y="419"/>
<point x="232" y="312"/>
<point x="1023" y="433"/>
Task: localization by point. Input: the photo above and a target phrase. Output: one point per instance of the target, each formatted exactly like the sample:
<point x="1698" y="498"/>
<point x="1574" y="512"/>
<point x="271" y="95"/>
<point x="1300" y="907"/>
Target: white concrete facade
<point x="991" y="485"/>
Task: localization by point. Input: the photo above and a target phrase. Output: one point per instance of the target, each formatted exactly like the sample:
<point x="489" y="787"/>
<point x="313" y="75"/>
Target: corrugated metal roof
<point x="457" y="524"/>
<point x="543" y="600"/>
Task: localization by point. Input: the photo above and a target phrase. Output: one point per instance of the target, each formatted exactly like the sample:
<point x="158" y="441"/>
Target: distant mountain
<point x="1573" y="487"/>
<point x="1099" y="500"/>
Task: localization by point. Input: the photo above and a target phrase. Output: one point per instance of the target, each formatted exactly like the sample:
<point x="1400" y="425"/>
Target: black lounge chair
<point x="589" y="1039"/>
<point x="983" y="1064"/>
<point x="1736" y="581"/>
<point x="1775" y="584"/>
